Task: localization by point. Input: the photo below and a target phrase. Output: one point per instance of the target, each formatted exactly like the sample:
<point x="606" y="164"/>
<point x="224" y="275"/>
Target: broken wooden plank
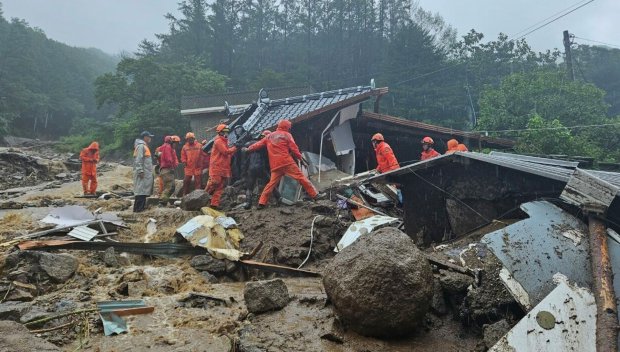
<point x="589" y="192"/>
<point x="604" y="295"/>
<point x="278" y="268"/>
<point x="133" y="311"/>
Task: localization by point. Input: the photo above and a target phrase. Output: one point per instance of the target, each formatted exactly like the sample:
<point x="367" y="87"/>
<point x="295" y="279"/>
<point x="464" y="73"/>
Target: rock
<point x="34" y="313"/>
<point x="137" y="288"/>
<point x="438" y="302"/>
<point x="286" y="211"/>
<point x="381" y="285"/>
<point x="61" y="175"/>
<point x="59" y="267"/>
<point x="195" y="200"/>
<point x="20" y="339"/>
<point x="18" y="294"/>
<point x="13" y="310"/>
<point x="206" y="262"/>
<point x="454" y="283"/>
<point x="109" y="257"/>
<point x="65" y="305"/>
<point x="210" y="278"/>
<point x="263" y="296"/>
<point x="493" y="332"/>
<point x="330" y="336"/>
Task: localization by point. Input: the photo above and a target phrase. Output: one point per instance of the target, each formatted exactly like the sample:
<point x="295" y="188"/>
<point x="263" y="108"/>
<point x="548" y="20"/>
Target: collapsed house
<point x="558" y="260"/>
<point x="334" y="125"/>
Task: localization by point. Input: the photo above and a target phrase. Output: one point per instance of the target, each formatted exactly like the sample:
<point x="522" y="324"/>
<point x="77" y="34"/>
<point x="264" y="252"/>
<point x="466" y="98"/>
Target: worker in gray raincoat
<point x="142" y="171"/>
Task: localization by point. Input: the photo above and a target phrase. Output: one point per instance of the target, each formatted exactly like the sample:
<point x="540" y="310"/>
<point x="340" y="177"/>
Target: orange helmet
<point x="175" y="138"/>
<point x="285" y="125"/>
<point x="189" y="135"/>
<point x="377" y="137"/>
<point x="428" y="140"/>
<point x="222" y="128"/>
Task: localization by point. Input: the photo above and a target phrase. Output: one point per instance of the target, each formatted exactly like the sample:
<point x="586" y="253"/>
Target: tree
<point x="148" y="94"/>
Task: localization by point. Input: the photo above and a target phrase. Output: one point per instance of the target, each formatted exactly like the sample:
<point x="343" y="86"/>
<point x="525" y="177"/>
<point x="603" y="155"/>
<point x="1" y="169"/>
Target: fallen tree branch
<point x="54" y="328"/>
<point x="46" y="319"/>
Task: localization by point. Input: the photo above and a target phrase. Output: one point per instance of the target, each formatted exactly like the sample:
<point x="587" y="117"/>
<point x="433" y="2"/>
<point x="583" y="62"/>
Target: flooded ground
<point x="179" y="323"/>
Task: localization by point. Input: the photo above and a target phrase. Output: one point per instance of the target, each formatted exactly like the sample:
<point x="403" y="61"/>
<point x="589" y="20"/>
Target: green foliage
<point x="550" y="104"/>
<point x="45" y="85"/>
<point x="148" y="95"/>
<point x="544" y="137"/>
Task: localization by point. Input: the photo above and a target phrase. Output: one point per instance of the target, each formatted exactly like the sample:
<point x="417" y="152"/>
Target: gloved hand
<point x="245" y="150"/>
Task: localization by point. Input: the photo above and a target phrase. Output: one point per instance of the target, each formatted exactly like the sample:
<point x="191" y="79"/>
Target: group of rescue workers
<point x="269" y="156"/>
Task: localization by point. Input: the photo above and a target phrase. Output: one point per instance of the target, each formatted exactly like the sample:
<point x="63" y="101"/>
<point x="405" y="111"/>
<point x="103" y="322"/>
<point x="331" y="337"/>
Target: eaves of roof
<point x="448" y="132"/>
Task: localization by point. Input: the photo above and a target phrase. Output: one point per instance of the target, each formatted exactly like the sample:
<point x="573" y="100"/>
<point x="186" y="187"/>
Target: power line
<point x="553" y="128"/>
<point x="596" y="41"/>
<point x="545" y="19"/>
<point x="553" y="20"/>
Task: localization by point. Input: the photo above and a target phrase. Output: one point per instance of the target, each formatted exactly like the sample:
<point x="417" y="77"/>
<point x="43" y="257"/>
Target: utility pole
<point x="569" y="57"/>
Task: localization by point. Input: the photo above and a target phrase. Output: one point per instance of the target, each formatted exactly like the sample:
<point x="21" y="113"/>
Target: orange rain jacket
<point x="462" y="148"/>
<point x="90" y="157"/>
<point x="386" y="161"/>
<point x="221" y="156"/>
<point x="429" y="154"/>
<point x="452" y="146"/>
<point x="280" y="145"/>
<point x="190" y="155"/>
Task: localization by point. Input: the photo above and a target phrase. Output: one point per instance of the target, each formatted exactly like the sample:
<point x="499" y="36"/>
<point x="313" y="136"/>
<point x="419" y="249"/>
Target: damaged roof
<point x="240" y="98"/>
<point x="555" y="169"/>
<point x="435" y="131"/>
<point x="299" y="108"/>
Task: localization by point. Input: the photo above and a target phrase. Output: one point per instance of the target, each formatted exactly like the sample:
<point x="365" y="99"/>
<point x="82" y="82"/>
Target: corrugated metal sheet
<point x="537" y="160"/>
<point x="572" y="326"/>
<point x="83" y="233"/>
<point x="536" y="248"/>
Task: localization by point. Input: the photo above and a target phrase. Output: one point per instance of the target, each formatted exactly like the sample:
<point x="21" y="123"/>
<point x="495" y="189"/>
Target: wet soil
<point x="307" y="323"/>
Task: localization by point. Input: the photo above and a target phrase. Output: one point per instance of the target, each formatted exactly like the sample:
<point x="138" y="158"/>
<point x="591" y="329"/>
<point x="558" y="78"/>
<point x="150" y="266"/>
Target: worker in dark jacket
<point x="256" y="171"/>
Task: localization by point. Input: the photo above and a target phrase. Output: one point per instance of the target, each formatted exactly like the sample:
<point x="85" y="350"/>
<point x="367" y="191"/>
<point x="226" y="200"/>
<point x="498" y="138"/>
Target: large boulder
<point x="263" y="296"/>
<point x="381" y="285"/>
<point x="195" y="200"/>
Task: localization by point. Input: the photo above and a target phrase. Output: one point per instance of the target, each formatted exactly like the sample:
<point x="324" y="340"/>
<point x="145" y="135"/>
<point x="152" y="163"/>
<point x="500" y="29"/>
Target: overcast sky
<point x="119" y="25"/>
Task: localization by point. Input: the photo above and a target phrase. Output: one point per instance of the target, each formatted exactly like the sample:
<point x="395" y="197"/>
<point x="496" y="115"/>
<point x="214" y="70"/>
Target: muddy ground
<point x="457" y="320"/>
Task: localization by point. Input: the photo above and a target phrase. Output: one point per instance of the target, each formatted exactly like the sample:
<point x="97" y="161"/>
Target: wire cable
<point x="553" y="128"/>
<point x="596" y="41"/>
<point x="311" y="240"/>
<point x="547" y="18"/>
<point x="451" y="196"/>
<point x="553" y="20"/>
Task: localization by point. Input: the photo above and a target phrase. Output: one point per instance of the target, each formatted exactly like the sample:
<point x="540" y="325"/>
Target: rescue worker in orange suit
<point x="428" y="151"/>
<point x="455" y="146"/>
<point x="452" y="146"/>
<point x="90" y="158"/>
<point x="190" y="155"/>
<point x="462" y="148"/>
<point x="204" y="160"/>
<point x="386" y="160"/>
<point x="219" y="166"/>
<point x="280" y="145"/>
<point x="256" y="171"/>
<point x="168" y="163"/>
